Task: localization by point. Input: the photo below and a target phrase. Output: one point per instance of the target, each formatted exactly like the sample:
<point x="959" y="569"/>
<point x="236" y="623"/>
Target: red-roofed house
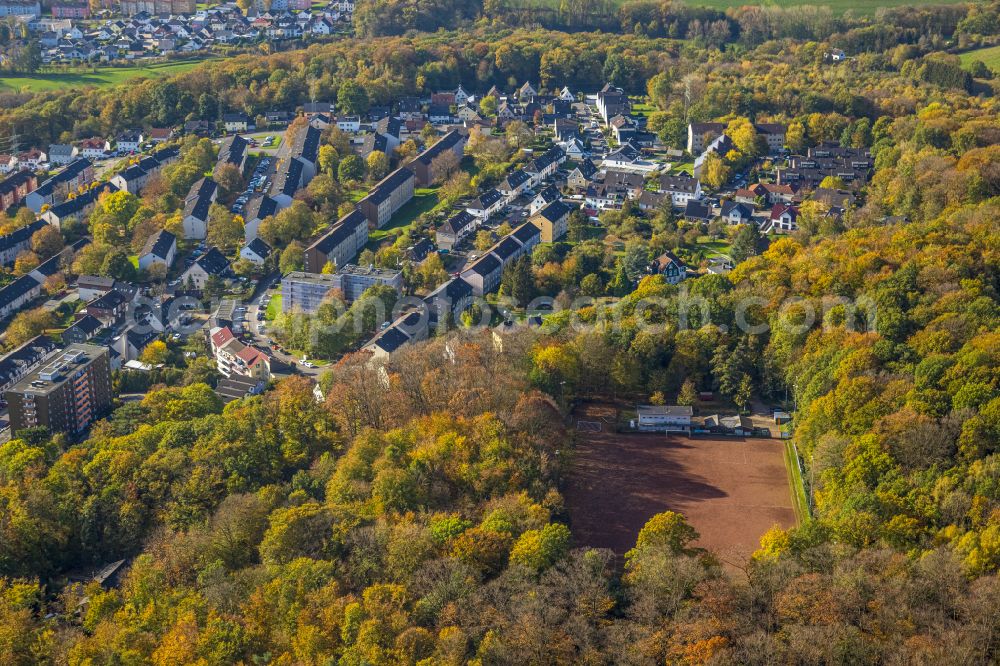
<point x="232" y="357"/>
<point x="783" y="218"/>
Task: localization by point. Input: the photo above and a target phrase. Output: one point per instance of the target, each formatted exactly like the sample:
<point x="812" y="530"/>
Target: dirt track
<point x="731" y="490"/>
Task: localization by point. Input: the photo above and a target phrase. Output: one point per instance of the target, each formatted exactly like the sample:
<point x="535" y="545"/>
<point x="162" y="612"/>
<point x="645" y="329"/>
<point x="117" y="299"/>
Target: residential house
<point x="698" y="211"/>
<point x="256" y="209"/>
<point x="159" y="134"/>
<point x="14" y="188"/>
<point x="61" y="154"/>
<point x="233" y="358"/>
<point x="682" y="188"/>
<point x="670" y="267"/>
<point x="14" y="295"/>
<point x="544" y="165"/>
<point x="82" y="330"/>
<point x="256" y="251"/>
<point x="211" y="264"/>
<point x="109" y="307"/>
<point x="581" y="176"/>
<point x="552" y="221"/>
<point x="702" y="134"/>
<point x="90" y="287"/>
<point x="420" y="250"/>
<point x="160" y="248"/>
<point x="132" y="179"/>
<point x="736" y="212"/>
<point x="486" y="204"/>
<point x="544" y="197"/>
<point x="23" y="359"/>
<point x="349" y="124"/>
<point x="456" y="228"/>
<point x="428" y="168"/>
<point x="483" y="275"/>
<point x="514" y="184"/>
<point x="236" y="122"/>
<point x="611" y="102"/>
<point x="129" y="142"/>
<point x="339" y="245"/>
<point x="409" y="327"/>
<point x="233" y="151"/>
<point x="447" y="303"/>
<point x="287" y="181"/>
<point x="783" y="219"/>
<point x="200" y="198"/>
<point x="17" y="241"/>
<point x="94" y="149"/>
<point x="388" y="196"/>
<point x="77" y="174"/>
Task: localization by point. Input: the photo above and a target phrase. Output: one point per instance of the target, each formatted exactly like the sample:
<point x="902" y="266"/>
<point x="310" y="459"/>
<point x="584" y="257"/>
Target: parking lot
<point x="259" y="181"/>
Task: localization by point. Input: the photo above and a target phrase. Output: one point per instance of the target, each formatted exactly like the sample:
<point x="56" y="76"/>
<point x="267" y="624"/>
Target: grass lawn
<point x="100" y="76"/>
<point x="424" y="200"/>
<point x="837" y="6"/>
<point x="273" y="308"/>
<point x="642" y="109"/>
<point x="714" y="246"/>
<point x="989" y="55"/>
<point x="354" y="196"/>
<point x="800" y="501"/>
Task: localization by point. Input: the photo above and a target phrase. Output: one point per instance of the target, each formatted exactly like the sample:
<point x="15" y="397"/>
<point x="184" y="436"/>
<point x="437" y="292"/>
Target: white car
<point x="308" y="364"/>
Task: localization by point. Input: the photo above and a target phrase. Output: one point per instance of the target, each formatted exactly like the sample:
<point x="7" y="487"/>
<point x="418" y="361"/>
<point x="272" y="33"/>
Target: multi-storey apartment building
<point x="66" y="393"/>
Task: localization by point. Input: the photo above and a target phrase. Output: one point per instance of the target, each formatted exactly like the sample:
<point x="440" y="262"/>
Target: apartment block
<point x="66" y="393"/>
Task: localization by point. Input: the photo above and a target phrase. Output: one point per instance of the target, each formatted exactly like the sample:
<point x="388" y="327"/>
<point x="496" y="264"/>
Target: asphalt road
<point x="261" y="340"/>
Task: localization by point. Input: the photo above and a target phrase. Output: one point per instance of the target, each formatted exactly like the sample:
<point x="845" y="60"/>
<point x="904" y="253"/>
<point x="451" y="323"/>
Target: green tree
<point x="328" y="159"/>
<point x="745" y="242"/>
<point x="688" y="395"/>
<point x="540" y="549"/>
<point x="351" y="168"/>
<point x="591" y="285"/>
<point x="620" y="284"/>
<point x="119" y="266"/>
<point x="377" y="165"/>
<point x="292" y="258"/>
<point x="352" y="98"/>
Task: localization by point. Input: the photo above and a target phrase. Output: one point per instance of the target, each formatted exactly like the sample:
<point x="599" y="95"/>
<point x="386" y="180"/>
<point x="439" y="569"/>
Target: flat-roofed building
<point x="305" y="292"/>
<point x="65" y="393"/>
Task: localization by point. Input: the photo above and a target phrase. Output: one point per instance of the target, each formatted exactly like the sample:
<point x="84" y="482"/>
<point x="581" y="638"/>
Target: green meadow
<point x="97" y="76"/>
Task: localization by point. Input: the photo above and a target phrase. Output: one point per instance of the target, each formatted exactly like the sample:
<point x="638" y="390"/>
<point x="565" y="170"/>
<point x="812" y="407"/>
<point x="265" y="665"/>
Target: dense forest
<point x="416" y="516"/>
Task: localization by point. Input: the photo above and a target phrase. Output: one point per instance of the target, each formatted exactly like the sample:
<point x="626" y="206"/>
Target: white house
<point x="199" y="199"/>
<point x="256" y="251"/>
<point x="160" y="248"/>
<point x="666" y="418"/>
<point x="129" y="142"/>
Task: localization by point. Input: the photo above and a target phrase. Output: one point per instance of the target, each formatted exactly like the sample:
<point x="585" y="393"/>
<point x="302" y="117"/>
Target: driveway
<point x="262" y="339"/>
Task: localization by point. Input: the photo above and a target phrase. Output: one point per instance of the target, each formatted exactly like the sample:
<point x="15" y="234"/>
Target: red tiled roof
<point x="222" y="336"/>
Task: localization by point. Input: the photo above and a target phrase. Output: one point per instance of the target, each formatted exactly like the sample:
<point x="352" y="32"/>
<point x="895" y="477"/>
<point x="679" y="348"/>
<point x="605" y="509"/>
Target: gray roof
<point x="159" y="244"/>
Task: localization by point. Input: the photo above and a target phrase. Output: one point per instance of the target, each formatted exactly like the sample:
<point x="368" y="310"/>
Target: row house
<point x="76" y="175"/>
<point x="455" y="229"/>
<point x="339" y="245"/>
<point x="486" y="205"/>
<point x="14" y="188"/>
<point x="388" y="196"/>
<point x="483" y="275"/>
<point x="428" y="168"/>
<point x="17" y="241"/>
